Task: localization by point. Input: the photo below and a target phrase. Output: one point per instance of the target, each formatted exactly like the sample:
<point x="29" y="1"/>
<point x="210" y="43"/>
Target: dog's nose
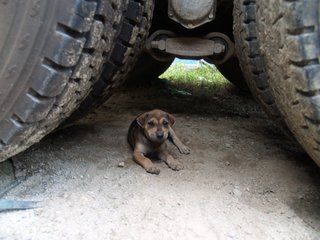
<point x="159" y="135"/>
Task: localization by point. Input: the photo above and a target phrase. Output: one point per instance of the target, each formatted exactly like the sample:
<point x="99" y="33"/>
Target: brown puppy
<point x="147" y="136"/>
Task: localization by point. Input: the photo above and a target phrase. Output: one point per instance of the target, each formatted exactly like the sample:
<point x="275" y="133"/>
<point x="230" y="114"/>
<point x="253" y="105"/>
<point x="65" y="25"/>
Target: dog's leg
<point x="170" y="161"/>
<point x="145" y="162"/>
<point x="176" y="141"/>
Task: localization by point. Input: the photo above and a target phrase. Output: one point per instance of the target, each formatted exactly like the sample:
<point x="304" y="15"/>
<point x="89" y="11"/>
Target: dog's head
<point x="155" y="125"/>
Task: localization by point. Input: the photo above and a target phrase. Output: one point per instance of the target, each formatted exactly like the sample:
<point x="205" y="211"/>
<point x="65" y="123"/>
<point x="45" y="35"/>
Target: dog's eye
<point x="165" y="123"/>
<point x="151" y="124"/>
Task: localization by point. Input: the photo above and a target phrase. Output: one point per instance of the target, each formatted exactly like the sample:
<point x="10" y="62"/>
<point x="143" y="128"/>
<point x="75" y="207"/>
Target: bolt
<point x="154" y="44"/>
<point x="210" y="16"/>
<point x="219" y="48"/>
<point x="160" y="45"/>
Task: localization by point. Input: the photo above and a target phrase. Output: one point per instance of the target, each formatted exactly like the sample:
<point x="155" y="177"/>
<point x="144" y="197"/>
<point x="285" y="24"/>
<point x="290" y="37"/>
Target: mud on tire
<point x="128" y="47"/>
<point x="251" y="60"/>
<point x="51" y="55"/>
<point x="289" y="35"/>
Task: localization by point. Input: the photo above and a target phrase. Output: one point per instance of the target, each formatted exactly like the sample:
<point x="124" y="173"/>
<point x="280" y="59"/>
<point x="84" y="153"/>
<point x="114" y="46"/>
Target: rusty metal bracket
<point x="164" y="45"/>
<point x="157" y="53"/>
<point x="185" y="47"/>
<point x="224" y="40"/>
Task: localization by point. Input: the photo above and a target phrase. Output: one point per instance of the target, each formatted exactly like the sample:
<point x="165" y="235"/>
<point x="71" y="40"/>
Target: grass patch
<point x="204" y="77"/>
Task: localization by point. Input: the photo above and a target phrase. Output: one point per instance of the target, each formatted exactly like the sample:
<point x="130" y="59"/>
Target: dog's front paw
<point x="177" y="166"/>
<point x="184" y="149"/>
<point x="153" y="170"/>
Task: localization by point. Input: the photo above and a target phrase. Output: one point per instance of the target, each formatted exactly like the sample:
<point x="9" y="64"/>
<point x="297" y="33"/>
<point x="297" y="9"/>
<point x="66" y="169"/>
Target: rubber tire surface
<point x="289" y="35"/>
<point x="128" y="47"/>
<point x="251" y="59"/>
<point x="51" y="53"/>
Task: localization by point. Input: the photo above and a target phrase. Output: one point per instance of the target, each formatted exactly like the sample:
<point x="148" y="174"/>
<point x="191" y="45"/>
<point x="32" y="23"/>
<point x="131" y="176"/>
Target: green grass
<point x="204" y="78"/>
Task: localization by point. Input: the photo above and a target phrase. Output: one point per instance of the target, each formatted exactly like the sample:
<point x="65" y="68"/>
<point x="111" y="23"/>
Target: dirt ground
<point x="242" y="180"/>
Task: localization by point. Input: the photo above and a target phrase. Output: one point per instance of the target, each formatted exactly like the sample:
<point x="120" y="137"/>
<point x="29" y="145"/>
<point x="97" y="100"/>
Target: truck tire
<point x="251" y="60"/>
<point x="51" y="55"/>
<point x="128" y="47"/>
<point x="289" y="35"/>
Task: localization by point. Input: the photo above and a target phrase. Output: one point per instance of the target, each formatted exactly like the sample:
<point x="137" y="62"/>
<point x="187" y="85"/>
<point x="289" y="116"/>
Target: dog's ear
<point x="171" y="119"/>
<point x="142" y="119"/>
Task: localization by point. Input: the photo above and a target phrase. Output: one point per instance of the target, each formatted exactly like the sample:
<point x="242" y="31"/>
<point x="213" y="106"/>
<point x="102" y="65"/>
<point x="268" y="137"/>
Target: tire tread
<point x="73" y="56"/>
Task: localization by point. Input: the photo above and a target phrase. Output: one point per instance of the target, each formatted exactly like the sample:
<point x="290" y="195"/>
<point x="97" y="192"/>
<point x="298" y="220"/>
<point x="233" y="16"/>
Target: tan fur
<point x="147" y="136"/>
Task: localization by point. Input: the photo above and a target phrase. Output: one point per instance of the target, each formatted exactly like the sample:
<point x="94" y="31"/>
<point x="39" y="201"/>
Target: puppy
<point x="147" y="136"/>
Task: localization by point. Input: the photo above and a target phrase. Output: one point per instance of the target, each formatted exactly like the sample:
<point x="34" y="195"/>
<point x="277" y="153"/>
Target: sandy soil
<point x="242" y="180"/>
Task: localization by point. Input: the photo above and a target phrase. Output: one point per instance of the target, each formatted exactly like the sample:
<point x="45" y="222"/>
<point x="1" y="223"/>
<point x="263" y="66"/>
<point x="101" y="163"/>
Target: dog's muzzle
<point x="159" y="135"/>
